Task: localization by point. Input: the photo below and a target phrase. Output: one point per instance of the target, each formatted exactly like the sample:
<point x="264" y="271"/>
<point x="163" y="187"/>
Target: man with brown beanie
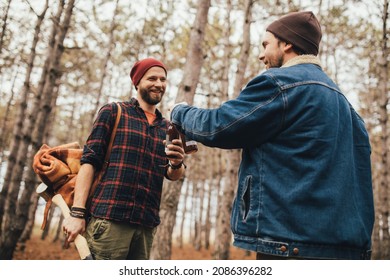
<point x="124" y="209"/>
<point x="305" y="189"/>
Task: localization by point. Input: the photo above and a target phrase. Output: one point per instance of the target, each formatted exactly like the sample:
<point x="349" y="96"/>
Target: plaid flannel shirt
<point x="130" y="190"/>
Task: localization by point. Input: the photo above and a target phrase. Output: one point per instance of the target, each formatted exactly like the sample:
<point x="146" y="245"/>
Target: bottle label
<point x="191" y="142"/>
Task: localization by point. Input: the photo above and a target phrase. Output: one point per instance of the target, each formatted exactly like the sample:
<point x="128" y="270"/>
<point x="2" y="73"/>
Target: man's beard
<point x="147" y="97"/>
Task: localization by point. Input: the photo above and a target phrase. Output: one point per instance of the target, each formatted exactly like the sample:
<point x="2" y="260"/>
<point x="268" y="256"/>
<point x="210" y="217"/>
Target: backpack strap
<point x="113" y="133"/>
<point x="108" y="153"/>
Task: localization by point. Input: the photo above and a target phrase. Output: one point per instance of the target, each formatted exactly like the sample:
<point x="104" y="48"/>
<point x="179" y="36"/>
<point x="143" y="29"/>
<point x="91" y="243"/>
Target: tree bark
<point x="195" y="57"/>
<point x="59" y="235"/>
<point x="45" y="231"/>
<point x="21" y="115"/>
<point x="4" y="124"/>
<point x="384" y="179"/>
<point x="208" y="224"/>
<point x="105" y="63"/>
<point x="4" y="28"/>
<point x="199" y="222"/>
<point x="30" y="223"/>
<point x="162" y="247"/>
<point x="224" y="234"/>
<point x="15" y="215"/>
<point x="182" y="222"/>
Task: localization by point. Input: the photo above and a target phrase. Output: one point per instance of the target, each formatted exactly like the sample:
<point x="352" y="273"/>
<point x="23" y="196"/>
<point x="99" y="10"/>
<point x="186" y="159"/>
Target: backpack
<point x="57" y="167"/>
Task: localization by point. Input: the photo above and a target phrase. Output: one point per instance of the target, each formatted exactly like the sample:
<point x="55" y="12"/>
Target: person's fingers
<point x="66" y="242"/>
<point x="177" y="142"/>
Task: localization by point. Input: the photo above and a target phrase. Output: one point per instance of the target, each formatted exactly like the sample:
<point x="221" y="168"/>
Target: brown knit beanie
<point x="300" y="29"/>
<point x="140" y="67"/>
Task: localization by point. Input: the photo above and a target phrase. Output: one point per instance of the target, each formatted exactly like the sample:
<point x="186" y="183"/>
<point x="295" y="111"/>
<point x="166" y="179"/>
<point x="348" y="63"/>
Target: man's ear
<point x="288" y="47"/>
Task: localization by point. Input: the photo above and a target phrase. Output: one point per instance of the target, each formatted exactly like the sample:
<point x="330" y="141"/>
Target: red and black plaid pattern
<point x="130" y="190"/>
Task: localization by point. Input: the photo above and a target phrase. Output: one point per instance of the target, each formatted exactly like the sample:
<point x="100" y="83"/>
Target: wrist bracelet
<point x="77" y="215"/>
<point x="78" y="212"/>
<point x="178" y="166"/>
<point x="78" y="209"/>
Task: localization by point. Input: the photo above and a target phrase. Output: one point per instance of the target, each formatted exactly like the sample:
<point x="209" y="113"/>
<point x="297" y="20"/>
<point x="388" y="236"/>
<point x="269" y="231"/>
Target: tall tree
<point x="4" y="45"/>
<point x="6" y="118"/>
<point x="16" y="210"/>
<point x="183" y="217"/>
<point x="106" y="60"/>
<point x="200" y="210"/>
<point x="223" y="223"/>
<point x="384" y="175"/>
<point x="21" y="113"/>
<point x="162" y="247"/>
<point x="4" y="27"/>
<point x="222" y="229"/>
<point x="28" y="229"/>
<point x="195" y="56"/>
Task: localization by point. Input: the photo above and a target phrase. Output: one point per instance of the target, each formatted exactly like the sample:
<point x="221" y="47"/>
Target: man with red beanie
<point x="305" y="189"/>
<point x="124" y="209"/>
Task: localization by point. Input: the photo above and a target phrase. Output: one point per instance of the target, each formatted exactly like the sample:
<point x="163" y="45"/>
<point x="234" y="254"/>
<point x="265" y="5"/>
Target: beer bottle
<point x="172" y="133"/>
<point x="190" y="146"/>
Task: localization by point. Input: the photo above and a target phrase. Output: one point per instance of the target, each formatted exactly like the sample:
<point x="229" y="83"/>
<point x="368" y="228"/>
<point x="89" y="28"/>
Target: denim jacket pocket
<point x="246" y="197"/>
<point x="242" y="204"/>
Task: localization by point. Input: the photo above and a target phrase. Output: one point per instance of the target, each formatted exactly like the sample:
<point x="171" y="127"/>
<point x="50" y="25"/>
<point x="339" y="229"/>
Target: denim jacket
<point x="305" y="188"/>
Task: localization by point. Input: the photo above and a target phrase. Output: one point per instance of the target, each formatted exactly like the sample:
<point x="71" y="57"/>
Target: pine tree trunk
<point x="21" y="115"/>
<point x="162" y="245"/>
<point x="194" y="61"/>
<point x="4" y="122"/>
<point x="15" y="214"/>
<point x="30" y="223"/>
<point x="58" y="235"/>
<point x="207" y="226"/>
<point x="198" y="240"/>
<point x="182" y="222"/>
<point x="195" y="212"/>
<point x="170" y="197"/>
<point x="384" y="180"/>
<point x="46" y="230"/>
<point x="4" y="28"/>
<point x="222" y="228"/>
<point x="222" y="246"/>
<point x="106" y="60"/>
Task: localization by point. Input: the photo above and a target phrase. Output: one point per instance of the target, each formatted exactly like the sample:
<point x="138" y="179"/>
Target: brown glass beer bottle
<point x="190" y="146"/>
<point x="172" y="133"/>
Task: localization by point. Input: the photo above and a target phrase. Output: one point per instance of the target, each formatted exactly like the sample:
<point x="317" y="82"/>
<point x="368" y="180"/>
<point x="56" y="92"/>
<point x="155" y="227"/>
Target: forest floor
<point x="37" y="249"/>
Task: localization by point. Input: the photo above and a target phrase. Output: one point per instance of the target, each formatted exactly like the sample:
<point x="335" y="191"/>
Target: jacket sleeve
<point x="255" y="116"/>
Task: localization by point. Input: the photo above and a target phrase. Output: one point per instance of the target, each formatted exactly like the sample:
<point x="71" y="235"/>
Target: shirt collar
<point x="134" y="102"/>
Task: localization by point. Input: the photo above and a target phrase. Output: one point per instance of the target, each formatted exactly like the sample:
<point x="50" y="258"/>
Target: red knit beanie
<point x="300" y="29"/>
<point x="141" y="67"/>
